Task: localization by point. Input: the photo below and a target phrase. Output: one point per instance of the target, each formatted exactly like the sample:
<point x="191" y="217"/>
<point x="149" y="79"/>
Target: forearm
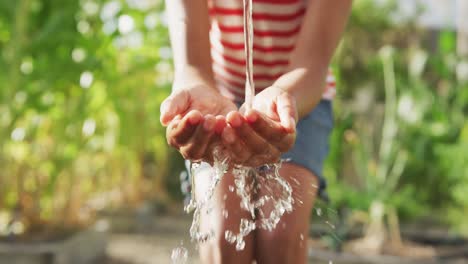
<point x="321" y="31"/>
<point x="306" y="84"/>
<point x="189" y="32"/>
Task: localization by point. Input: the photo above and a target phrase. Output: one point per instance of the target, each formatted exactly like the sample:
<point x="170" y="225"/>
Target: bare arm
<point x="194" y="112"/>
<point x="271" y="124"/>
<point x="321" y="31"/>
<point x="189" y="31"/>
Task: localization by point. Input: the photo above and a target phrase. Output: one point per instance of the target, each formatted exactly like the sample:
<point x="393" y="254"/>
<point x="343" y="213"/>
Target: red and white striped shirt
<point x="276" y="26"/>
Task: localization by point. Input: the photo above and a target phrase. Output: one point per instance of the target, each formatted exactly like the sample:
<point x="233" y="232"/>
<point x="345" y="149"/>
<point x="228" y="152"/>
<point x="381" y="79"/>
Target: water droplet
<point x="302" y="237"/>
<point x="319" y="211"/>
<point x="330" y="224"/>
<point x="246" y="227"/>
<point x="229" y="236"/>
<point x="179" y="255"/>
<point x="231" y="188"/>
<point x="240" y="245"/>
<point x="296" y="181"/>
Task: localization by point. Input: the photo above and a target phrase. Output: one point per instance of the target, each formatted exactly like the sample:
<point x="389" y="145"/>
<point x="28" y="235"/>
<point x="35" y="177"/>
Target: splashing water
<point x="201" y="205"/>
<point x="179" y="255"/>
<point x="276" y="195"/>
<point x="318" y="211"/>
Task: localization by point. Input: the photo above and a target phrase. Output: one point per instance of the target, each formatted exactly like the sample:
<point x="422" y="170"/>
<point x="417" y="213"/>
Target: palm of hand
<point x="210" y="103"/>
<point x="261" y="134"/>
<point x="195" y="115"/>
<point x="253" y="139"/>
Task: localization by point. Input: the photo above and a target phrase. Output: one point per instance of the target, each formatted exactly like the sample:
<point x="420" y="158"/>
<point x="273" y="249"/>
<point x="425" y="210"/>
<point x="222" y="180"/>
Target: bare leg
<point x="218" y="250"/>
<point x="288" y="242"/>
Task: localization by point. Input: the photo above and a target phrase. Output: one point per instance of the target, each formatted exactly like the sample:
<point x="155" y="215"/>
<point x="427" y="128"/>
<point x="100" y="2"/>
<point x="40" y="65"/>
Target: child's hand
<point x="262" y="134"/>
<point x="193" y="117"/>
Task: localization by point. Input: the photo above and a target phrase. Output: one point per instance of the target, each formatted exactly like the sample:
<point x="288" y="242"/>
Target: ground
<point x="141" y="242"/>
<point x="153" y="245"/>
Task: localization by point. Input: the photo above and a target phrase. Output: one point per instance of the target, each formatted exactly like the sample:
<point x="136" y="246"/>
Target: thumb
<point x="176" y="104"/>
<point x="287" y="111"/>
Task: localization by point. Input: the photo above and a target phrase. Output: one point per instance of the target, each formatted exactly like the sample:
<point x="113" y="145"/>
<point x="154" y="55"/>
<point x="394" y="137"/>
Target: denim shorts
<point x="312" y="142"/>
<point x="309" y="151"/>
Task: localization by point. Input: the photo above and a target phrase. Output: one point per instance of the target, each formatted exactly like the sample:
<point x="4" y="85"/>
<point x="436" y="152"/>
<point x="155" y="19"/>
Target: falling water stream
<point x="248" y="44"/>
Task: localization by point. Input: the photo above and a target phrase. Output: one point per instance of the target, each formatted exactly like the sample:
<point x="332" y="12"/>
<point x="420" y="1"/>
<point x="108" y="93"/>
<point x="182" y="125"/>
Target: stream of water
<point x="248" y="44"/>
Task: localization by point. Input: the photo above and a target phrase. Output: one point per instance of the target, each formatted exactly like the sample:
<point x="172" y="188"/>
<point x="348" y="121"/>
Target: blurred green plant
<point x="81" y="84"/>
<point x="429" y="106"/>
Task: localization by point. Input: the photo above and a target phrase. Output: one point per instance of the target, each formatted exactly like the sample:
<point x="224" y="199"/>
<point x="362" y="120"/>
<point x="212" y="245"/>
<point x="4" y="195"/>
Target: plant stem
<point x="390" y="127"/>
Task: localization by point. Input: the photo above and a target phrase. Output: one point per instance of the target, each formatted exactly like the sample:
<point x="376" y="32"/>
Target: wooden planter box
<point x="83" y="247"/>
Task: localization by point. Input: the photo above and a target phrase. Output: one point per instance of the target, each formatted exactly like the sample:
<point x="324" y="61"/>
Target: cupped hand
<point x="260" y="135"/>
<point x="195" y="118"/>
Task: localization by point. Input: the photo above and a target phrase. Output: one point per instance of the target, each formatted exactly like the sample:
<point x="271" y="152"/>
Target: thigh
<point x="225" y="215"/>
<point x="287" y="243"/>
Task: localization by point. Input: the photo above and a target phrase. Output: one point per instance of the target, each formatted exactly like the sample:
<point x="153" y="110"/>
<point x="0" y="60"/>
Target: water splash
<point x="179" y="255"/>
<point x="248" y="40"/>
<point x="318" y="211"/>
<point x="262" y="192"/>
<point x="201" y="205"/>
<point x="332" y="226"/>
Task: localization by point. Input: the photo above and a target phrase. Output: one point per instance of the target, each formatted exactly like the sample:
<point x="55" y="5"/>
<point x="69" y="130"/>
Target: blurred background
<point x="81" y="146"/>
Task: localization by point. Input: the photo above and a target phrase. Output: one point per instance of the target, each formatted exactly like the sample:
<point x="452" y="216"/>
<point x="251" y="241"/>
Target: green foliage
<point x="431" y="109"/>
<point x="81" y="86"/>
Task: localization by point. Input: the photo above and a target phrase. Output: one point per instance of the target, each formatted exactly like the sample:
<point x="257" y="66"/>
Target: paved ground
<point x="145" y="249"/>
<point x="154" y="245"/>
<point x="137" y="241"/>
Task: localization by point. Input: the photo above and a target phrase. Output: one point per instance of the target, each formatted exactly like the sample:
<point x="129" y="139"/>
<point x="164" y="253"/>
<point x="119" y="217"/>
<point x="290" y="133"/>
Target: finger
<point x="220" y="124"/>
<point x="196" y="147"/>
<point x="238" y="152"/>
<point x="271" y="130"/>
<point x="264" y="126"/>
<point x="250" y="138"/>
<point x="185" y="128"/>
<point x="174" y="123"/>
<point x="287" y="111"/>
<point x="175" y="104"/>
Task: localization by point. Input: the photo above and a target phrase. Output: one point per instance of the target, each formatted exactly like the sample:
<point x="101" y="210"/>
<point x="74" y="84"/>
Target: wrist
<point x="191" y="76"/>
<point x="305" y="85"/>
